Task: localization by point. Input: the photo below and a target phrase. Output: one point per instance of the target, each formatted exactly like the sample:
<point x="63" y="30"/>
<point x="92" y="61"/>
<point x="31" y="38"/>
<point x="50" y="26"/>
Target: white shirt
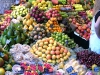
<point x="94" y="40"/>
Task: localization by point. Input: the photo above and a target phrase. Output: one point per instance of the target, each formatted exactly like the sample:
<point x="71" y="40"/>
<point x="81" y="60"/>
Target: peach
<point x="43" y="50"/>
<point x="68" y="53"/>
<point x="61" y="55"/>
<point x="57" y="48"/>
<point x="48" y="56"/>
<point x="52" y="52"/>
<point x="40" y="48"/>
<point x="66" y="57"/>
<point x="65" y="51"/>
<point x="45" y="46"/>
<point x="57" y="56"/>
<point x="47" y="52"/>
<point x="53" y="57"/>
<point x="58" y="61"/>
<point x="49" y="48"/>
<point x="57" y="52"/>
<point x="41" y="44"/>
<point x="61" y="59"/>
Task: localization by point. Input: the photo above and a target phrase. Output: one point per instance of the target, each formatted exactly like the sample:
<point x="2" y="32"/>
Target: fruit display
<point x="37" y="14"/>
<point x="47" y="37"/>
<point x="14" y="34"/>
<point x="38" y="32"/>
<point x="57" y="7"/>
<point x="63" y="39"/>
<point x="82" y="25"/>
<point x="43" y="5"/>
<point x="88" y="58"/>
<point x="64" y="14"/>
<point x="50" y="51"/>
<point x="19" y="11"/>
<point x="74" y="67"/>
<point x="78" y="7"/>
<point x="4" y="22"/>
<point x="89" y="13"/>
<point x="28" y="23"/>
<point x="53" y="13"/>
<point x="53" y="26"/>
<point x="6" y="61"/>
<point x="84" y="31"/>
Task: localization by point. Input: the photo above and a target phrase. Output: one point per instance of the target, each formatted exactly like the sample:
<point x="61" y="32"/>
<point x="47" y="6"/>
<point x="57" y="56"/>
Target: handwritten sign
<point x="5" y="5"/>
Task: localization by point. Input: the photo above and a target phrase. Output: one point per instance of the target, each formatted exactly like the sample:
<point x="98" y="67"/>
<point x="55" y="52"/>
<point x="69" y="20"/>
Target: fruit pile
<point x="42" y="4"/>
<point x="78" y="7"/>
<point x="83" y="31"/>
<point x="38" y="14"/>
<point x="63" y="39"/>
<point x="4" y="22"/>
<point x="74" y="67"/>
<point x="50" y="51"/>
<point x="6" y="61"/>
<point x="38" y="32"/>
<point x="88" y="58"/>
<point x="53" y="13"/>
<point x="19" y="11"/>
<point x="28" y="23"/>
<point x="14" y="34"/>
<point x="53" y="26"/>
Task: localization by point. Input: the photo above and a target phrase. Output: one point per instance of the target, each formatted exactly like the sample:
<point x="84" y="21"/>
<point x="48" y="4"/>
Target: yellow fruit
<point x="66" y="57"/>
<point x="2" y="71"/>
<point x="45" y="46"/>
<point x="25" y="27"/>
<point x="49" y="61"/>
<point x="40" y="48"/>
<point x="41" y="44"/>
<point x="43" y="1"/>
<point x="27" y="16"/>
<point x="33" y="2"/>
<point x="53" y="57"/>
<point x="39" y="53"/>
<point x="43" y="50"/>
<point x="51" y="41"/>
<point x="31" y="50"/>
<point x="31" y="19"/>
<point x="68" y="53"/>
<point x="46" y="43"/>
<point x="44" y="59"/>
<point x="28" y="22"/>
<point x="49" y="48"/>
<point x="39" y="5"/>
<point x="24" y="22"/>
<point x="50" y="45"/>
<point x="61" y="59"/>
<point x="58" y="61"/>
<point x="30" y="28"/>
<point x="43" y="55"/>
<point x="53" y="61"/>
<point x="61" y="65"/>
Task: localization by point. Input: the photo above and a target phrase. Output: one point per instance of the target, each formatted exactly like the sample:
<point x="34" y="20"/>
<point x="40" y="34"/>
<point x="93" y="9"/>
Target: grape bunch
<point x="88" y="58"/>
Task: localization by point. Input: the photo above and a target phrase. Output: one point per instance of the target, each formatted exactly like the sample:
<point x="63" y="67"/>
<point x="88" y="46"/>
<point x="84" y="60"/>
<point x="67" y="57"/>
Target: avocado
<point x="18" y="39"/>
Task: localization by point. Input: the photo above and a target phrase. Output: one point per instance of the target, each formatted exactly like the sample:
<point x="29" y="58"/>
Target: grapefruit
<point x="2" y="71"/>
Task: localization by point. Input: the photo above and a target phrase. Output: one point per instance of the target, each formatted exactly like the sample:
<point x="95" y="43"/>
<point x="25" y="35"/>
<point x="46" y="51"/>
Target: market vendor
<point x="95" y="28"/>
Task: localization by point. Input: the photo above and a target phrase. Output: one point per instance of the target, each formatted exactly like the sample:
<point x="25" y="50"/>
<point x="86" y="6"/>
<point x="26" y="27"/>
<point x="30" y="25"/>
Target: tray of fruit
<point x="51" y="51"/>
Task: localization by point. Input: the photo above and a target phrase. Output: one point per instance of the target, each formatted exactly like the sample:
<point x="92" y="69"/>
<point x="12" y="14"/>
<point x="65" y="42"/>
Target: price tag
<point x="74" y="73"/>
<point x="70" y="69"/>
<point x="96" y="69"/>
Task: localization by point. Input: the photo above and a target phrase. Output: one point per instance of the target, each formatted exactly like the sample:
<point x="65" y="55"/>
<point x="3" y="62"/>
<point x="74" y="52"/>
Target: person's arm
<point x="97" y="27"/>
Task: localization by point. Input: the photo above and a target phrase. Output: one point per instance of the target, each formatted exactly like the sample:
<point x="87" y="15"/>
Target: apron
<point x="94" y="40"/>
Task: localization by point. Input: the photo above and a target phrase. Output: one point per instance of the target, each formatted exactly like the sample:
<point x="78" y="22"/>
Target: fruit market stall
<point x="43" y="37"/>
